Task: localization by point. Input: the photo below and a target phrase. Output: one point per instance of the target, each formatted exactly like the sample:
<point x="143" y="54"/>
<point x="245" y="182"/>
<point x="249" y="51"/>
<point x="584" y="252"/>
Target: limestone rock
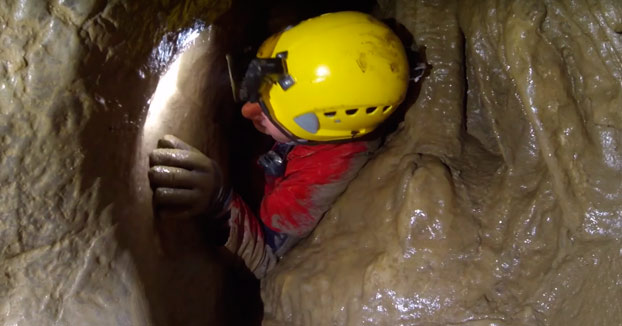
<point x="497" y="202"/>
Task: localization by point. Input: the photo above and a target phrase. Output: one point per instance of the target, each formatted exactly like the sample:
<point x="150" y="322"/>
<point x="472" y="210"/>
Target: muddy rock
<point x="78" y="244"/>
<point x="497" y="202"/>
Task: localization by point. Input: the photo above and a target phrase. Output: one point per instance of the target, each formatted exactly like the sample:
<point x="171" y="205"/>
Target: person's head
<point x="334" y="77"/>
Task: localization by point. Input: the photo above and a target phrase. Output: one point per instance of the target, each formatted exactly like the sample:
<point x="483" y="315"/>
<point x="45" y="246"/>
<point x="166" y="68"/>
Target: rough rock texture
<point x="77" y="240"/>
<point x="498" y="200"/>
<point x="59" y="258"/>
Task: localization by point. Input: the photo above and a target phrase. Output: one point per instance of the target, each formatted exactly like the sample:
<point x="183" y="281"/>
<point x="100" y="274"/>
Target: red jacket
<point x="293" y="204"/>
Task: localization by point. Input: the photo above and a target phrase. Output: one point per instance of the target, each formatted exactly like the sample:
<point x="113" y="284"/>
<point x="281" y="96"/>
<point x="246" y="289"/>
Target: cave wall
<point x="78" y="243"/>
<point x="60" y="259"/>
<point x="497" y="201"/>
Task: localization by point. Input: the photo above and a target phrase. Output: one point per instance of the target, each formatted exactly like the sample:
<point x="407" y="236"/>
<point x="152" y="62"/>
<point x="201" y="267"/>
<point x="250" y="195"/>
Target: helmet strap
<point x="286" y="132"/>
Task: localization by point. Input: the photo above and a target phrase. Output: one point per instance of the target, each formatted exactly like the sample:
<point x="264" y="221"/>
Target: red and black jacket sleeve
<point x="294" y="203"/>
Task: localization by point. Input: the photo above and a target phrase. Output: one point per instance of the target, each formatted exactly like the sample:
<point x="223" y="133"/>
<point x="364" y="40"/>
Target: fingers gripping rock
<point x="181" y="158"/>
<point x="186" y="182"/>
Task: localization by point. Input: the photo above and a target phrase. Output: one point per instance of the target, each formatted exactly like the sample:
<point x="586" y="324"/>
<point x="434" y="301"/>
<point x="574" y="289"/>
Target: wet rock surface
<point x="496" y="202"/>
<point x="78" y="243"/>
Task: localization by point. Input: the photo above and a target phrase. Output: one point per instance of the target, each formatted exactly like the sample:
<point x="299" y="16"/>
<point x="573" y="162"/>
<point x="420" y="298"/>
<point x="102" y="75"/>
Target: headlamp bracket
<point x="260" y="69"/>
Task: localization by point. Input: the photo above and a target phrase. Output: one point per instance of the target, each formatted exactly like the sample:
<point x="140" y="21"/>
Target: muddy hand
<point x="185" y="182"/>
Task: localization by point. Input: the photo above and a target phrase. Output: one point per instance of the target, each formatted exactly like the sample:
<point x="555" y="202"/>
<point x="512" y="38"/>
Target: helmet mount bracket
<point x="260" y="69"/>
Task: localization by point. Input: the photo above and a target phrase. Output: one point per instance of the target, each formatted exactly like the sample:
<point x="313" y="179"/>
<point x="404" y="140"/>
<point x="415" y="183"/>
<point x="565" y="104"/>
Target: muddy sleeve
<point x="246" y="239"/>
<point x="297" y="203"/>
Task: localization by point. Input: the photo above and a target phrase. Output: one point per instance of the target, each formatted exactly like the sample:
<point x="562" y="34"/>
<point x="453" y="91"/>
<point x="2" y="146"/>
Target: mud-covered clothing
<point x="294" y="203"/>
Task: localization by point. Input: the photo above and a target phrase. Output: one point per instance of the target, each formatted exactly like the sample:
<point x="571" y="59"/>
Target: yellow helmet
<point x="333" y="77"/>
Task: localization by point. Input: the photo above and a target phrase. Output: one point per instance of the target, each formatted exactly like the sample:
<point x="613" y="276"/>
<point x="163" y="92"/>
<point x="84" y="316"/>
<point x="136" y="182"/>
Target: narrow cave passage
<point x="495" y="201"/>
<point x="192" y="100"/>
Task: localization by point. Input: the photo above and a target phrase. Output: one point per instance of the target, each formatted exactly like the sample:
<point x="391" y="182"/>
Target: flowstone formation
<point x="498" y="200"/>
<point x="78" y="244"/>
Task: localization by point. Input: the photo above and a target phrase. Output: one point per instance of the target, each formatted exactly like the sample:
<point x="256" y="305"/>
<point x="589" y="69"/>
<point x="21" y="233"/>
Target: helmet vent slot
<point x="386" y="108"/>
<point x="330" y="114"/>
<point x="371" y="110"/>
<point x="352" y="111"/>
